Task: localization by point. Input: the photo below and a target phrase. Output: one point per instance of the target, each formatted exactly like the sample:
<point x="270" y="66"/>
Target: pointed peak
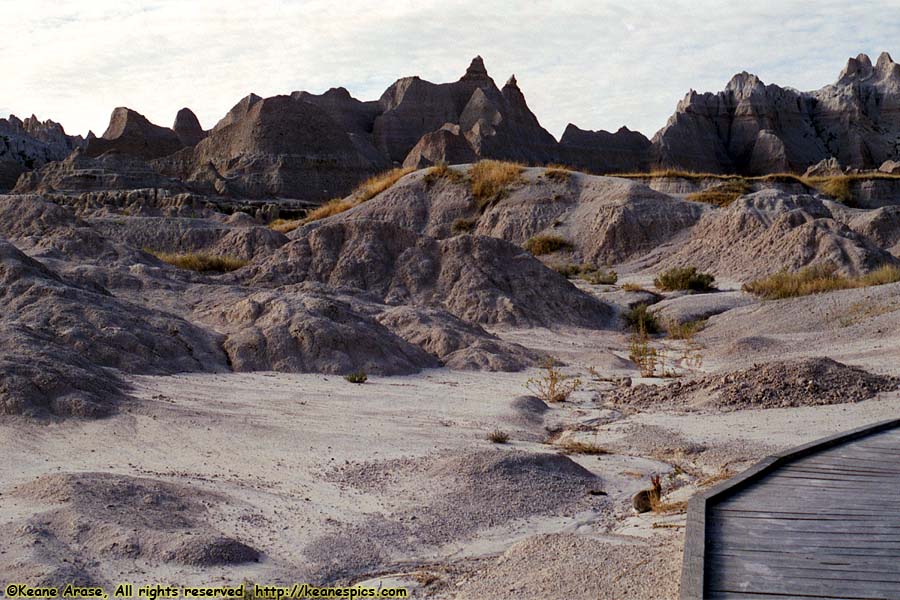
<point x="511" y="82"/>
<point x="744" y="83"/>
<point x="856" y="68"/>
<point x="476" y="69"/>
<point x="885" y="63"/>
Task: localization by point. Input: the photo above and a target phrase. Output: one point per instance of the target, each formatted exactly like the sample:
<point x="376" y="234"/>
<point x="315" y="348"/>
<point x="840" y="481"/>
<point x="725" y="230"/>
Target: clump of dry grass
<point x="376" y="184"/>
<point x="686" y="330"/>
<point x="358" y="377"/>
<point x="546" y="244"/>
<point x="285" y="225"/>
<point x="587" y="272"/>
<point x="442" y="171"/>
<point x="200" y="261"/>
<point x="557" y="173"/>
<point x="552" y="386"/>
<point x="364" y="192"/>
<point x="632" y="287"/>
<point x="642" y="354"/>
<point x="577" y="447"/>
<point x="722" y="194"/>
<point x="491" y="178"/>
<point x="817" y="279"/>
<point x="498" y="436"/>
<point x="722" y="475"/>
<point x="463" y="226"/>
<point x="329" y="209"/>
<point x="685" y="278"/>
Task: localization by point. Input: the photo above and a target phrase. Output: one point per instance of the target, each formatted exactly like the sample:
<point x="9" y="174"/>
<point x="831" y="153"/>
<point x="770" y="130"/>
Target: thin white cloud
<point x="599" y="64"/>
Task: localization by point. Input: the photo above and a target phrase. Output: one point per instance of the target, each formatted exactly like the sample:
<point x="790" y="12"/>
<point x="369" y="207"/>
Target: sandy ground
<point x="395" y="481"/>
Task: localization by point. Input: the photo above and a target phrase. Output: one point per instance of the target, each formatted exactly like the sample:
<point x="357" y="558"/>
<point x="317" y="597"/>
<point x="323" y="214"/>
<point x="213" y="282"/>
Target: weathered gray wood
<point x="818" y="521"/>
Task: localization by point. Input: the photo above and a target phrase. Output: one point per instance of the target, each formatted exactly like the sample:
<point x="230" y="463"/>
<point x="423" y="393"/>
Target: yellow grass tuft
<point x="199" y="261"/>
<point x="491" y="178"/>
<point x="558" y="173"/>
<point x="576" y="447"/>
<point x="441" y="171"/>
<point x="552" y="386"/>
<point x="817" y="279"/>
<point x="722" y="194"/>
<point x="285" y="225"/>
<point x="332" y="207"/>
<point x="376" y="184"/>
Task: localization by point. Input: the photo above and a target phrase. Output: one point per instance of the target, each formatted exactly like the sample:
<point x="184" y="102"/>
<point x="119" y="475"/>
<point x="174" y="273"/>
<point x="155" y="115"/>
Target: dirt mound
<point x="48" y="318"/>
<point x="804" y="382"/>
<point x="93" y="518"/>
<point x="769" y="231"/>
<point x="478" y="279"/>
<point x="305" y="330"/>
<point x="456" y="343"/>
<point x="605" y="219"/>
<point x="180" y="235"/>
<point x="468" y="493"/>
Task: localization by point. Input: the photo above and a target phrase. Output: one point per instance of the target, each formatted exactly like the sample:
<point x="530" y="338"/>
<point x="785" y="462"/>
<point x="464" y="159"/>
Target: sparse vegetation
<point x="722" y="194"/>
<point x="558" y="173"/>
<point x="442" y="171"/>
<point x="498" y="436"/>
<point x="632" y="287"/>
<point x="358" y="377"/>
<point x="424" y="578"/>
<point x="376" y="184"/>
<point x="463" y="226"/>
<point x="332" y="207"/>
<point x="686" y="330"/>
<point x="817" y="279"/>
<point x="641" y="320"/>
<point x="553" y="386"/>
<point x="546" y="244"/>
<point x="642" y="354"/>
<point x="200" y="262"/>
<point x="685" y="278"/>
<point x="491" y="178"/>
<point x="285" y="225"/>
<point x="576" y="447"/>
<point x="587" y="272"/>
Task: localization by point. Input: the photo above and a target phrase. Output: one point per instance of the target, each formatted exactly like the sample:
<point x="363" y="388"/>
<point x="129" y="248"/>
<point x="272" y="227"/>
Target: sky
<point x="599" y="64"/>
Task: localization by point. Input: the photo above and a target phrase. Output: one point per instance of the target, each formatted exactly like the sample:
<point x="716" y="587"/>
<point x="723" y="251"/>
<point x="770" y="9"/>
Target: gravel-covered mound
<point x="805" y="382"/>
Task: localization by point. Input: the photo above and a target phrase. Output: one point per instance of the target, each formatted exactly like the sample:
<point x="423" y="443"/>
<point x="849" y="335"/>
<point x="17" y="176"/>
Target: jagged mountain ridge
<point x="317" y="146"/>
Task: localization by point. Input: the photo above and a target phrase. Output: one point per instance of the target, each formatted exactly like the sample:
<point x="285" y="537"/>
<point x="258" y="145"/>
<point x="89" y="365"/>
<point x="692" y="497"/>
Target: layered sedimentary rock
<point x="604" y="152"/>
<point x="187" y="127"/>
<point x="129" y="132"/>
<point x="29" y="144"/>
<point x="278" y="146"/>
<point x="755" y="128"/>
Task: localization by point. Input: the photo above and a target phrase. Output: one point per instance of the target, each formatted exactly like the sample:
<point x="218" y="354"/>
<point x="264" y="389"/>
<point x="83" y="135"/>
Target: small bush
<point x="632" y="287"/>
<point x="686" y="330"/>
<point x="358" y="377"/>
<point x="376" y="184"/>
<point x="722" y="194"/>
<point x="498" y="436"/>
<point x="463" y="226"/>
<point x="201" y="262"/>
<point x="685" y="278"/>
<point x="491" y="178"/>
<point x="642" y="354"/>
<point x="567" y="270"/>
<point x="552" y="386"/>
<point x="329" y="209"/>
<point x="285" y="225"/>
<point x="442" y="171"/>
<point x="640" y="320"/>
<point x="546" y="244"/>
<point x="817" y="279"/>
<point x="600" y="277"/>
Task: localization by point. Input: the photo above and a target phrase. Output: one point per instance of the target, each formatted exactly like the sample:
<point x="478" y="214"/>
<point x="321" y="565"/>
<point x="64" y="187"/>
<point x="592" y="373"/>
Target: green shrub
<point x="600" y="277"/>
<point x="641" y="320"/>
<point x="685" y="278"/>
<point x="358" y="377"/>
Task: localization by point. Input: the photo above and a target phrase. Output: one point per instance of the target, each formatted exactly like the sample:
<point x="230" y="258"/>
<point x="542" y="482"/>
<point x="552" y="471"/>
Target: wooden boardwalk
<point x="819" y="521"/>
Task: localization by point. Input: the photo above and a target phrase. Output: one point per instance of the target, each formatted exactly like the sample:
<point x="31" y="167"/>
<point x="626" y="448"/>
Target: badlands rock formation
<point x="755" y="128"/>
<point x="129" y="132"/>
<point x="30" y="144"/>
